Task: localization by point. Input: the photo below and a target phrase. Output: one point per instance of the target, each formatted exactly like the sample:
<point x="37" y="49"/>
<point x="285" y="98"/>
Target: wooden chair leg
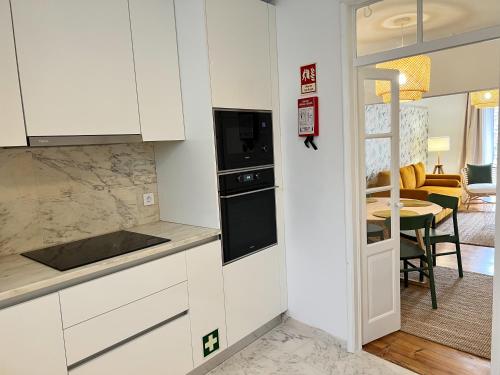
<point x="406" y="266"/>
<point x="434" y="255"/>
<point x="432" y="286"/>
<point x="421" y="273"/>
<point x="459" y="259"/>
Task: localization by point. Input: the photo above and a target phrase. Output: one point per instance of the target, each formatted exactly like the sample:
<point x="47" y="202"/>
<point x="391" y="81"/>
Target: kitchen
<point x="142" y="187"/>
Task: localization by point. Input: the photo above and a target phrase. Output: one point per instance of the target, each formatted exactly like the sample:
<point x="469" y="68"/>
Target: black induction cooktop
<point x="79" y="253"/>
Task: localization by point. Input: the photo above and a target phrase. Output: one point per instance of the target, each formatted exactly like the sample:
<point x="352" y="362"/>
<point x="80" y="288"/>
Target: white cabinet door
<point x="165" y="350"/>
<point x="76" y="67"/>
<point x="252" y="288"/>
<point x="206" y="299"/>
<point x="32" y="338"/>
<point x="239" y="50"/>
<point x="157" y="69"/>
<point x="12" y="131"/>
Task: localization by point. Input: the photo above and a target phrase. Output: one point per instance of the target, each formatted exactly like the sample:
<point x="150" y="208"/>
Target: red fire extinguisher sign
<point x="308" y="117"/>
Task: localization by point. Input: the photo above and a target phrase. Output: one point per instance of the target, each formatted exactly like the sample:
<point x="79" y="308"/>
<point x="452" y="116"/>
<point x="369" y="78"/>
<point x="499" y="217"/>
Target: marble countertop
<point x="22" y="278"/>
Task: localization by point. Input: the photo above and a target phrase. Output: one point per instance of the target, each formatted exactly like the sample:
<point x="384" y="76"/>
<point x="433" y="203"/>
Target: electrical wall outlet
<point x="149" y="199"/>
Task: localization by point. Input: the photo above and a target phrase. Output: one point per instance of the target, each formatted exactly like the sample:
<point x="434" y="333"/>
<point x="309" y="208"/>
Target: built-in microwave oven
<point x="244" y="138"/>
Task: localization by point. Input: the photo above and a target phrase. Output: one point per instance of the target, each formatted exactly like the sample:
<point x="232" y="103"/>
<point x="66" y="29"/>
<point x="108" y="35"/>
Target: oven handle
<point x="248" y="192"/>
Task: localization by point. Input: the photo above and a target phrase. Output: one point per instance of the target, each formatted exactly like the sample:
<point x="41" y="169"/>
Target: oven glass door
<point x="248" y="223"/>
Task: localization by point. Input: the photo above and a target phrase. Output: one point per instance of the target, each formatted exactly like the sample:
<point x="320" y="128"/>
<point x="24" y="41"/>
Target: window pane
<point x="378" y="222"/>
<point x="446" y="18"/>
<point x="378" y="162"/>
<point x="386" y="25"/>
<point x="377" y="114"/>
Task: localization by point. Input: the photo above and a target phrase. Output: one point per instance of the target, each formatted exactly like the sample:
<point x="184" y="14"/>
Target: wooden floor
<point x="424" y="356"/>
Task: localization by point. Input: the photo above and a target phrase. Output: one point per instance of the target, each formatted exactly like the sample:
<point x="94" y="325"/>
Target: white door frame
<point x="350" y="64"/>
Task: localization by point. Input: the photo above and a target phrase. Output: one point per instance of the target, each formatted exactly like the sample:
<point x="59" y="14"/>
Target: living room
<point x="448" y="148"/>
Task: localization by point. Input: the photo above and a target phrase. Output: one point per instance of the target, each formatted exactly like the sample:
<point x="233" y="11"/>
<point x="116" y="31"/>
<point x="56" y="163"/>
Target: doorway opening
<point x="445" y="120"/>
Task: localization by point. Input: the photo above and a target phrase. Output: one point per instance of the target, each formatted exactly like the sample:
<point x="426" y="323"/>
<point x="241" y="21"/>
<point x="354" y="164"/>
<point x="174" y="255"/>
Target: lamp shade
<point x="484" y="99"/>
<point x="414" y="78"/>
<point x="437" y="144"/>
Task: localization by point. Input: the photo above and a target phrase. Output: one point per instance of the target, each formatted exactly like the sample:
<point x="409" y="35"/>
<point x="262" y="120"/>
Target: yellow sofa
<point x="414" y="183"/>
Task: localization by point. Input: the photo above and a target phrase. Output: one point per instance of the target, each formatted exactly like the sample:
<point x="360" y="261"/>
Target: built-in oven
<point x="244" y="138"/>
<point x="248" y="212"/>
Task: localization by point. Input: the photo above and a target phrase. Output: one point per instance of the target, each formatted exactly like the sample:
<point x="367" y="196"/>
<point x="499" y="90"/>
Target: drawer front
<point x="165" y="350"/>
<point x="95" y="335"/>
<point x="87" y="300"/>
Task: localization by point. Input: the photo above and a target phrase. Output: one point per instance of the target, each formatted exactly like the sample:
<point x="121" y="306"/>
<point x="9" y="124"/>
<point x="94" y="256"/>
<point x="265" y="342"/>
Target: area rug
<point x="463" y="318"/>
<point x="476" y="228"/>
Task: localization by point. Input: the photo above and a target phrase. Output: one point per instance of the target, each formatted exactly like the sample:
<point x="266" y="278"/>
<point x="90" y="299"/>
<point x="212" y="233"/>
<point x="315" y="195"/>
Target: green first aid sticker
<point x="210" y="343"/>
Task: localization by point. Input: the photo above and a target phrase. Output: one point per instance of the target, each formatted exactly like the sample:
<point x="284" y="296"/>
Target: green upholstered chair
<point x="437" y="236"/>
<point x="412" y="251"/>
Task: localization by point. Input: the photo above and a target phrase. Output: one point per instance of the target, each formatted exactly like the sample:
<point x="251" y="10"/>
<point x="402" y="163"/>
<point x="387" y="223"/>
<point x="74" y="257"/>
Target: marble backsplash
<point x="60" y="194"/>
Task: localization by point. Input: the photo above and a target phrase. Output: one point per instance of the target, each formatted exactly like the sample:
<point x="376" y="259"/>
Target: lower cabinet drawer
<point x="93" y="298"/>
<point x="165" y="350"/>
<point x="102" y="332"/>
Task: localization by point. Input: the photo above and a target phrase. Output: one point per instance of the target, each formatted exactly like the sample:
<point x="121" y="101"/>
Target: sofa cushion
<point x="408" y="176"/>
<point x="444" y="182"/>
<point x="478" y="174"/>
<point x="482" y="188"/>
<point x="445" y="190"/>
<point x="384" y="179"/>
<point x="420" y="175"/>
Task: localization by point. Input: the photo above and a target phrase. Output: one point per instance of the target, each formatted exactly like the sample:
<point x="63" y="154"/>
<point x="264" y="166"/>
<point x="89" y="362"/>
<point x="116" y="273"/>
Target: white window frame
<point x="350" y="64"/>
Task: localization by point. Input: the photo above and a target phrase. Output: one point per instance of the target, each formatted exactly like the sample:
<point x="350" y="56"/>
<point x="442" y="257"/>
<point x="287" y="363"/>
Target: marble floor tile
<point x="296" y="349"/>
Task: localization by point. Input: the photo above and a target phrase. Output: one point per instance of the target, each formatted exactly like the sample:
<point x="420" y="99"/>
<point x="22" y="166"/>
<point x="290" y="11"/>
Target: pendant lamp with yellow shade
<point x="414" y="78"/>
<point x="484" y="99"/>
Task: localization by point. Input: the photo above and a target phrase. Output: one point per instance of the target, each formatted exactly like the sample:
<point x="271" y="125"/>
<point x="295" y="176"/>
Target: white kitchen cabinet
<point x="164" y="350"/>
<point x="252" y="288"/>
<point x="112" y="291"/>
<point x="206" y="298"/>
<point x="239" y="51"/>
<point x="76" y="67"/>
<point x="32" y="338"/>
<point x="97" y="334"/>
<point x="157" y="69"/>
<point x="12" y="131"/>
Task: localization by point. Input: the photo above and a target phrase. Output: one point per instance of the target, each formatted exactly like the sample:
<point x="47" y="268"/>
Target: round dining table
<point x="382" y="204"/>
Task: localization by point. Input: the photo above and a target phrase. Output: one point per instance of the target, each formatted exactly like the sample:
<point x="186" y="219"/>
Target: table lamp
<point x="438" y="144"/>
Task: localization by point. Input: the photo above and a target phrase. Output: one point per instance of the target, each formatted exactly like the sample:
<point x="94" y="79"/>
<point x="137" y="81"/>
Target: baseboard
<point x="240" y="345"/>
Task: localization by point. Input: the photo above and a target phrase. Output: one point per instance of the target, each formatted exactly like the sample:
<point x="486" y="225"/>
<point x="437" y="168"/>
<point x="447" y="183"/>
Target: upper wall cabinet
<point x="76" y="67"/>
<point x="157" y="69"/>
<point x="239" y="50"/>
<point x="11" y="112"/>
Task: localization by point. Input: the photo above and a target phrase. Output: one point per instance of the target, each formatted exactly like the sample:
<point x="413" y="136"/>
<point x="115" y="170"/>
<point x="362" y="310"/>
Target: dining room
<point x="446" y="261"/>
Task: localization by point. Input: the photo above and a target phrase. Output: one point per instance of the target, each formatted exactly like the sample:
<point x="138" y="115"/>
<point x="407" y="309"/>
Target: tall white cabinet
<point x="11" y="111"/>
<point x="32" y="338"/>
<point x="240" y="56"/>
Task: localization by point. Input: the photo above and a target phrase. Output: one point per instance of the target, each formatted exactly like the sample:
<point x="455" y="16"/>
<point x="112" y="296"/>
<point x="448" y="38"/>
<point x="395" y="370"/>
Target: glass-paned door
<point x="379" y="161"/>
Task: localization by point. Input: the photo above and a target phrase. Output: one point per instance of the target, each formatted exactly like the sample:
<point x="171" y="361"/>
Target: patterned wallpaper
<point x="414" y="131"/>
<point x="60" y="194"/>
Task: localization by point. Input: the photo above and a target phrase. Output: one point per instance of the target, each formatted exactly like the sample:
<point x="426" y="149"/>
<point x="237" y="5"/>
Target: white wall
<point x="309" y="31"/>
<point x="446" y="118"/>
<point x="189" y="195"/>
